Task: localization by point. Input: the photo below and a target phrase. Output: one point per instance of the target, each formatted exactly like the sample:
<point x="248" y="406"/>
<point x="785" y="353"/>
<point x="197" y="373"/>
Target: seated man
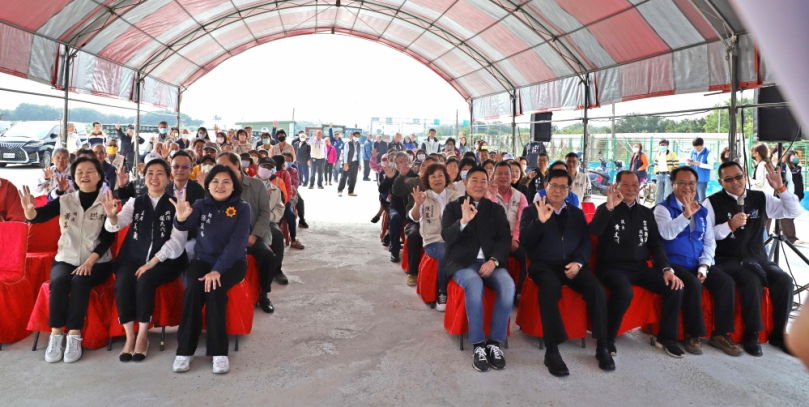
<point x="558" y="242"/>
<point x="627" y="238"/>
<point x="514" y="202"/>
<point x="690" y="248"/>
<point x="61" y="168"/>
<point x="740" y="248"/>
<point x="571" y="198"/>
<point x="478" y="241"/>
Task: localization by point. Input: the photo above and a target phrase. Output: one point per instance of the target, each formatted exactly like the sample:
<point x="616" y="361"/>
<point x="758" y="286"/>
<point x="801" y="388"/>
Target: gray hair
<point x="401" y="154"/>
<point x="60" y="150"/>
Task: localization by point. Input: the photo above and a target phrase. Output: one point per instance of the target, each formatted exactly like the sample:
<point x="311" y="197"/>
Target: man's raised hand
<point x="544" y="209"/>
<point x="468" y="211"/>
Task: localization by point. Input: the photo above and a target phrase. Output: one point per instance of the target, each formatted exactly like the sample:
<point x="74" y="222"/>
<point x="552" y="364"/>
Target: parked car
<point x="4" y="126"/>
<point x="32" y="142"/>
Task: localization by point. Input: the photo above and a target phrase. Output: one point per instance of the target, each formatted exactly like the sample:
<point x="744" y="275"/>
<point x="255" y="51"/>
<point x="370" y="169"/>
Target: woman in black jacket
<point x="152" y="254"/>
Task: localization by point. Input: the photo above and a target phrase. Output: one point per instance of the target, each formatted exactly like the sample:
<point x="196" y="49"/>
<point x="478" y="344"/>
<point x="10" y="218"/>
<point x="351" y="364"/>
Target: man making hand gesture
<point x="557" y="240"/>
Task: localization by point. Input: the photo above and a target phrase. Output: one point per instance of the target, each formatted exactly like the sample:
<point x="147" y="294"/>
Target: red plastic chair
<point x="455" y="321"/>
<point x="239" y="311"/>
<point x="588" y="208"/>
<point x="96" y="332"/>
<point x="404" y="256"/>
<point x="43" y="242"/>
<point x="514" y="269"/>
<point x="16" y="295"/>
<point x="427" y="285"/>
<point x="572" y="307"/>
<point x="252" y="279"/>
<point x="766" y="316"/>
<point x="168" y="310"/>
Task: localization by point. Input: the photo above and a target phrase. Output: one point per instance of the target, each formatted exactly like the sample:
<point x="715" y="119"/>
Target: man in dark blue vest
<point x="702" y="162"/>
<point x="690" y="245"/>
<point x="739" y="216"/>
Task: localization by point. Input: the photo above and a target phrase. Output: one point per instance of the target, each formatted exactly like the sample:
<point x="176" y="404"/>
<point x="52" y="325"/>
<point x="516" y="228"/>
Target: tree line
<point x="31" y="112"/>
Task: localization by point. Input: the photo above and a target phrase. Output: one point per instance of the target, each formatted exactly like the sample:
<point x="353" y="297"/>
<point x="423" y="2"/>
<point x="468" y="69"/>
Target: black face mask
<point x="282" y="139"/>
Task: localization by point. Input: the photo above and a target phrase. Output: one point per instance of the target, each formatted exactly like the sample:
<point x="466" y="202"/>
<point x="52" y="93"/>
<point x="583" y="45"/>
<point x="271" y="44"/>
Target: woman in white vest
<point x="428" y="210"/>
<point x="83" y="257"/>
<point x="152" y="254"/>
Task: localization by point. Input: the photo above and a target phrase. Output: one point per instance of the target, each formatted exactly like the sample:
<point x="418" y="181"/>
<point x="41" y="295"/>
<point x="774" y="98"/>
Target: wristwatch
<point x="496" y="263"/>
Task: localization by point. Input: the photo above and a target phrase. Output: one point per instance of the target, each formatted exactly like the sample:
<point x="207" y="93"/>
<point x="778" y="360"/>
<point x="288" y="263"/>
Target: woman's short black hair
<point x="279" y="162"/>
<point x="95" y="162"/>
<point x="160" y="161"/>
<point x="237" y="185"/>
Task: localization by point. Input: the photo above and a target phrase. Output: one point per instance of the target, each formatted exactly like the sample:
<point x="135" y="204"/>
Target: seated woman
<point x="152" y="254"/>
<point x="222" y="220"/>
<point x="82" y="258"/>
<point x="428" y="210"/>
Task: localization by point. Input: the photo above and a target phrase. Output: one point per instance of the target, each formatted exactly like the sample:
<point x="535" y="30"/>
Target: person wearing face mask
<point x="665" y="162"/>
<point x="331" y="160"/>
<point x="336" y="139"/>
<point x="183" y="140"/>
<point x="221" y="139"/>
<point x="638" y="162"/>
<point x="268" y="174"/>
<point x="351" y="164"/>
<point x="162" y="133"/>
<point x="202" y="133"/>
<point x="113" y="158"/>
<point x="303" y="156"/>
<point x="318" y="151"/>
<point x="420" y="156"/>
<point x="172" y="149"/>
<point x="247" y="164"/>
<point x="205" y="150"/>
<point x="367" y="149"/>
<point x="282" y="147"/>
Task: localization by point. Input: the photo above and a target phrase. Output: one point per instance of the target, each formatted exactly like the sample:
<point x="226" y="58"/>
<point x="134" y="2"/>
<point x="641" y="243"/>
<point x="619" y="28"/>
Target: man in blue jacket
<point x="367" y="149"/>
<point x="690" y="247"/>
<point x="702" y="162"/>
<point x="557" y="240"/>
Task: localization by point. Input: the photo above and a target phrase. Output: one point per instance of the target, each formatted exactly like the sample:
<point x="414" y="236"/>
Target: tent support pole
<point x="514" y="122"/>
<point x="66" y="84"/>
<point x="734" y="88"/>
<point x="138" y="88"/>
<point x="585" y="136"/>
<point x="471" y="125"/>
<point x="180" y="99"/>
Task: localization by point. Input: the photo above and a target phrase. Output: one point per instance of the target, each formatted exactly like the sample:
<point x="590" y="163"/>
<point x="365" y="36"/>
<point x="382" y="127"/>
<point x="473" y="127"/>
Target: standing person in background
<point x="303" y="154"/>
<point x="396" y="144"/>
<point x="113" y="158"/>
<point x="336" y="139"/>
<point x="110" y="172"/>
<point x="162" y="134"/>
<point x="702" y="162"/>
<point x="724" y="156"/>
<point x="638" y="162"/>
<point x="331" y="159"/>
<point x="531" y="153"/>
<point x="793" y="161"/>
<point x="665" y="162"/>
<point x="462" y="147"/>
<point x="184" y="141"/>
<point x="759" y="154"/>
<point x="381" y="147"/>
<point x="581" y="181"/>
<point x="449" y="148"/>
<point x="431" y="145"/>
<point x="537" y="176"/>
<point x="367" y="148"/>
<point x="267" y="139"/>
<point x="282" y="147"/>
<point x="127" y="140"/>
<point x="96" y="136"/>
<point x="318" y="151"/>
<point x="243" y="144"/>
<point x="73" y="143"/>
<point x="410" y="143"/>
<point x="351" y="164"/>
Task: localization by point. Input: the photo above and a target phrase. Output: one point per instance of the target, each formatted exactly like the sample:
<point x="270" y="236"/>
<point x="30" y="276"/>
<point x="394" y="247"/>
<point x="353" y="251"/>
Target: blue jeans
<point x="472" y="284"/>
<point x="395" y="224"/>
<point x="436" y="251"/>
<point x="702" y="189"/>
<point x="289" y="216"/>
<point x="303" y="173"/>
<point x="318" y="167"/>
<point x="663" y="187"/>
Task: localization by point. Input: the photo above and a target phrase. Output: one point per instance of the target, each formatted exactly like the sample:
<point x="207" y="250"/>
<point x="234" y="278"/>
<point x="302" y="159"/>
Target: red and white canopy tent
<point x="505" y="57"/>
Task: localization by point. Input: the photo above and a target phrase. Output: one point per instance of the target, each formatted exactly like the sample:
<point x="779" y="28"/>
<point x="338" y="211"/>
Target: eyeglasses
<point x="737" y="178"/>
<point x="177" y="167"/>
<point x="686" y="184"/>
<point x="557" y="187"/>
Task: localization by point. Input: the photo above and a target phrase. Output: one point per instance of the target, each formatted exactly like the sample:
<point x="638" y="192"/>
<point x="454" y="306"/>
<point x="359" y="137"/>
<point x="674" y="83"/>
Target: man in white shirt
<point x="318" y="160"/>
<point x="581" y="181"/>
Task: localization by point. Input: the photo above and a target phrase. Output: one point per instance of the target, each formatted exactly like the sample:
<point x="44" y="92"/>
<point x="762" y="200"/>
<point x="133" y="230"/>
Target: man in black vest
<point x="738" y="217"/>
<point x="478" y="240"/>
<point x="627" y="238"/>
<point x="351" y="164"/>
<point x="556" y="237"/>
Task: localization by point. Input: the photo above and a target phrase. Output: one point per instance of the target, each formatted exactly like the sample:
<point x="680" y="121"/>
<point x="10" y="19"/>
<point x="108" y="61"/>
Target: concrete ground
<point x="348" y="331"/>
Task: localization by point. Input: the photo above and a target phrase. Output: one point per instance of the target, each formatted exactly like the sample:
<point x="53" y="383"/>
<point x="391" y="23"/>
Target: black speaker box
<point x="541" y="131"/>
<point x="776" y="124"/>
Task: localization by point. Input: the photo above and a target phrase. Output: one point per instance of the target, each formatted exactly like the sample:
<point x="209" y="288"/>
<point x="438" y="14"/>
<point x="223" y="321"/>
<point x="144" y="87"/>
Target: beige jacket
<point x="242" y="148"/>
<point x="276" y="203"/>
<point x="431" y="212"/>
<point x="80" y="230"/>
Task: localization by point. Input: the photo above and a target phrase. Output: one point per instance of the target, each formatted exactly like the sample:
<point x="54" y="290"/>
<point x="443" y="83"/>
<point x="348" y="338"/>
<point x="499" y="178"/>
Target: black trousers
<point x="195" y="298"/>
<point x="519" y="255"/>
<point x="278" y="245"/>
<point x="328" y="171"/>
<point x="751" y="276"/>
<point x="265" y="261"/>
<point x="550" y="278"/>
<point x="366" y="170"/>
<point x="722" y="288"/>
<point x="620" y="283"/>
<point x="414" y="245"/>
<point x="351" y="174"/>
<point x="134" y="296"/>
<point x="299" y="206"/>
<point x="70" y="294"/>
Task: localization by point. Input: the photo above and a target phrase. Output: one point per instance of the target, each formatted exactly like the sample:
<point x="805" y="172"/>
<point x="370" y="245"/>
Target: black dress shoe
<point x="556" y="366"/>
<point x="266" y="305"/>
<point x="752" y="346"/>
<point x="394" y="258"/>
<point x="605" y="361"/>
<point x="302" y="224"/>
<point x="386" y="241"/>
<point x="280" y="278"/>
<point x="612" y="349"/>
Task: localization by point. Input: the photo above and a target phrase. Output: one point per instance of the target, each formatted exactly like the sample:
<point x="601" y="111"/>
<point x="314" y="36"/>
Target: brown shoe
<point x="726" y="345"/>
<point x="412" y="279"/>
<point x="296" y="245"/>
<point x="693" y="345"/>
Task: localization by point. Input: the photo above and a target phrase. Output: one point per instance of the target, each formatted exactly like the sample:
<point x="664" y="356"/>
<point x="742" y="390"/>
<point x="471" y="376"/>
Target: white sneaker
<point x="182" y="363"/>
<point x="56" y="348"/>
<point x="221" y="364"/>
<point x="73" y="348"/>
<point x="339" y="194"/>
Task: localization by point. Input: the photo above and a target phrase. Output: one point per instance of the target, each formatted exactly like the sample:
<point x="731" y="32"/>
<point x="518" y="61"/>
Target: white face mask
<point x="206" y="168"/>
<point x="220" y="140"/>
<point x="264" y="173"/>
<point x="463" y="174"/>
<point x="635" y="149"/>
<point x="245" y="163"/>
<point x="421" y="157"/>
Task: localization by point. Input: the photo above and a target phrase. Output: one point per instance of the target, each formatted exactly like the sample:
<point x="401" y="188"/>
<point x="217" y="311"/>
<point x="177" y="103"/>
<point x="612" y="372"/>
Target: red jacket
<point x="10" y="206"/>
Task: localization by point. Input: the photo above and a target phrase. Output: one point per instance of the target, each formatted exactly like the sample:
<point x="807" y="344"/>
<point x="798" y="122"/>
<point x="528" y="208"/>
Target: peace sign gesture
<point x="110" y="207"/>
<point x="419" y="195"/>
<point x="468" y="211"/>
<point x="183" y="208"/>
<point x="544" y="209"/>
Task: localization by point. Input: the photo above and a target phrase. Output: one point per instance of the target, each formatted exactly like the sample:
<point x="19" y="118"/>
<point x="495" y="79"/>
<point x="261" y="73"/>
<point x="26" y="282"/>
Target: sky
<point x="327" y="78"/>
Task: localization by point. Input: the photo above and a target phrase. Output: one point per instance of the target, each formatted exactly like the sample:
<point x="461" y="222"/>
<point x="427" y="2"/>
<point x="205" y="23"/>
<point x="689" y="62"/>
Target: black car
<point x="29" y="143"/>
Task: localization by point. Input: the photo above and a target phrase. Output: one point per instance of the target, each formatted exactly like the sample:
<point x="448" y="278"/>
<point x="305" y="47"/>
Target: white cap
<point x="265" y="130"/>
<point x="151" y="156"/>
